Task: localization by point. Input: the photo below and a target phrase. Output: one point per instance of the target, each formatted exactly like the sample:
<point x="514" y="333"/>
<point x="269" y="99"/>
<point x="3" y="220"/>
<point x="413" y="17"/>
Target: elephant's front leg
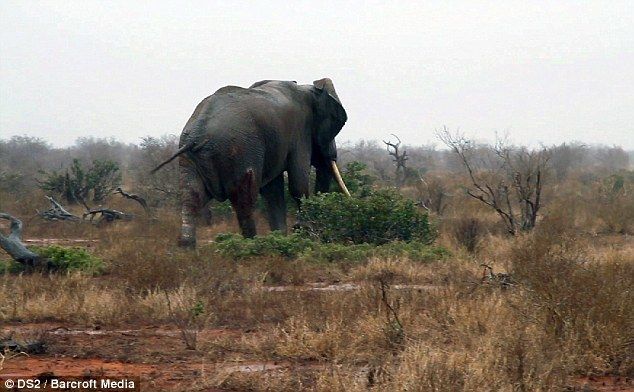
<point x="299" y="184"/>
<point x="193" y="198"/>
<point x="299" y="181"/>
<point x="323" y="179"/>
<point x="273" y="194"/>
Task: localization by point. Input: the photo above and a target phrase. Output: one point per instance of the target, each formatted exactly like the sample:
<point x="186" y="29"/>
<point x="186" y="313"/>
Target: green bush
<point x="221" y="210"/>
<point x="10" y="266"/>
<point x="358" y="182"/>
<point x="413" y="250"/>
<point x="380" y="217"/>
<point x="70" y="259"/>
<point x="77" y="182"/>
<point x="274" y="244"/>
<point x="298" y="246"/>
<point x="334" y="252"/>
<point x="338" y="228"/>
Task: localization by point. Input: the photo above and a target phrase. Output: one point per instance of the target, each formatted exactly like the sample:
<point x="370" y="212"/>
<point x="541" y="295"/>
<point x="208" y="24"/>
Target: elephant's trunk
<point x="342" y="185"/>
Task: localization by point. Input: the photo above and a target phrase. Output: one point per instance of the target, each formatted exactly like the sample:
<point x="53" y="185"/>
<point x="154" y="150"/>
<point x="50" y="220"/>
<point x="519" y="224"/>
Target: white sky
<point x="543" y="72"/>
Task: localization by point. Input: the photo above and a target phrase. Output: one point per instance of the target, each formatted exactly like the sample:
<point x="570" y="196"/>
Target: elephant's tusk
<point x="342" y="185"/>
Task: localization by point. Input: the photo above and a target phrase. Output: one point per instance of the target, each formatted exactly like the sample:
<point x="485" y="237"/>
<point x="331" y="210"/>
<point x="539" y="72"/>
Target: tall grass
<point x="568" y="313"/>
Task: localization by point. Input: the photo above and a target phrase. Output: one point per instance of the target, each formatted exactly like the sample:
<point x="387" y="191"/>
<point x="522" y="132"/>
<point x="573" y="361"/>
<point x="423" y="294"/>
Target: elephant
<point x="239" y="142"/>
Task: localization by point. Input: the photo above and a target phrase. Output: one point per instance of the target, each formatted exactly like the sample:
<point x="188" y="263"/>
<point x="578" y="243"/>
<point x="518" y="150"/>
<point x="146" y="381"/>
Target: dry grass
<point x="569" y="313"/>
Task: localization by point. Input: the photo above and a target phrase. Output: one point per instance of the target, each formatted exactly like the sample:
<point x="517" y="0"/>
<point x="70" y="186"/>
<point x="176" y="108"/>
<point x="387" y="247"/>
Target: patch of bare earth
<point x="604" y="384"/>
<point x="153" y="354"/>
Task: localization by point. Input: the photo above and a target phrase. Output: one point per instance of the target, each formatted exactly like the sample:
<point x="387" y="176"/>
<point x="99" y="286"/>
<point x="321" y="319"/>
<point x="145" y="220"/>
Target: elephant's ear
<point x="330" y="113"/>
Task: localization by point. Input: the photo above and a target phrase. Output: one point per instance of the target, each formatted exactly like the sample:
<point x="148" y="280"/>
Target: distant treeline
<point x="24" y="158"/>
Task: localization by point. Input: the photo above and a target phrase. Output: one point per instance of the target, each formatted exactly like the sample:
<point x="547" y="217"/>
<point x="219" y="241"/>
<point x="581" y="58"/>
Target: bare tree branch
<point x="134" y="197"/>
<point x="57" y="212"/>
<point x="518" y="171"/>
<point x="106" y="215"/>
<point x="398" y="158"/>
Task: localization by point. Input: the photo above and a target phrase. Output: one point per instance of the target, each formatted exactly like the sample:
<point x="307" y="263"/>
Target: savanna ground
<point x="556" y="313"/>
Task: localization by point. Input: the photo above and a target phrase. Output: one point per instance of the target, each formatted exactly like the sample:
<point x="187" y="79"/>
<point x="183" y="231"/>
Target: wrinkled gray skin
<point x="239" y="142"/>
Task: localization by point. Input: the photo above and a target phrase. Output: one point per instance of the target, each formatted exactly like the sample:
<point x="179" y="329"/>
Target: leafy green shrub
<point x="379" y="218"/>
<point x="77" y="183"/>
<point x="297" y="246"/>
<point x="358" y="182"/>
<point x="12" y="183"/>
<point x="274" y="244"/>
<point x="10" y="266"/>
<point x="221" y="210"/>
<point x="334" y="252"/>
<point x="70" y="259"/>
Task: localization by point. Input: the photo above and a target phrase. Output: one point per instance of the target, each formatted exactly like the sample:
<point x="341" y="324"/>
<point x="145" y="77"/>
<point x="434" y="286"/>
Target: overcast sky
<point x="544" y="73"/>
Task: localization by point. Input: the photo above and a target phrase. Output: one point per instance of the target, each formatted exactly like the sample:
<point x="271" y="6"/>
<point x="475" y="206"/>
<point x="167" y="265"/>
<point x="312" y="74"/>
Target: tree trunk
<point x="12" y="244"/>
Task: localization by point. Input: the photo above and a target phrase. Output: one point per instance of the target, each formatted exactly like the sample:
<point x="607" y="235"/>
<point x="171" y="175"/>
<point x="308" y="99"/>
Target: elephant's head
<point x="329" y="118"/>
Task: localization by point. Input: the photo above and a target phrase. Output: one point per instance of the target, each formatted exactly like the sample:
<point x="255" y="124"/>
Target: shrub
<point x="358" y="182"/>
<point x="297" y="246"/>
<point x="468" y="233"/>
<point x="379" y="218"/>
<point x="274" y="244"/>
<point x="10" y="266"/>
<point x="568" y="287"/>
<point x="12" y="183"/>
<point x="614" y="202"/>
<point x="334" y="252"/>
<point x="221" y="210"/>
<point x="77" y="183"/>
<point x="70" y="259"/>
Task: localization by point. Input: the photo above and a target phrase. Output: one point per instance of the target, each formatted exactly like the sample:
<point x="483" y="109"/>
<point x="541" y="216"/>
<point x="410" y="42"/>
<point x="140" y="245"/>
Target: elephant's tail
<point x="185" y="148"/>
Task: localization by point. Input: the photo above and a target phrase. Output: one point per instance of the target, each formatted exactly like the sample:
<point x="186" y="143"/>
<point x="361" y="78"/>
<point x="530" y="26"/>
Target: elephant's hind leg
<point x="243" y="201"/>
<point x="273" y="194"/>
<point x="193" y="198"/>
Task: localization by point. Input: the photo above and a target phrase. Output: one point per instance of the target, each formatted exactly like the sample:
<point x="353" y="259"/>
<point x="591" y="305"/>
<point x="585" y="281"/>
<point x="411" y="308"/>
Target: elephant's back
<point x="238" y="115"/>
<point x="237" y="108"/>
<point x="231" y="99"/>
<point x="227" y="127"/>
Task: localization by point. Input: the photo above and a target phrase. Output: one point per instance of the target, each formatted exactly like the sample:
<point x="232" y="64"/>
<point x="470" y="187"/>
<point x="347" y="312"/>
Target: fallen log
<point x="57" y="212"/>
<point x="107" y="215"/>
<point x="12" y="244"/>
<point x="134" y="197"/>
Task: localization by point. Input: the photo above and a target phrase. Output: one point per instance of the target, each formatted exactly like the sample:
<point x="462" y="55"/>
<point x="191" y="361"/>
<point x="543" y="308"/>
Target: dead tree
<point x="106" y="215"/>
<point x="12" y="244"/>
<point x="433" y="194"/>
<point x="511" y="184"/>
<point x="526" y="170"/>
<point x="56" y="212"/>
<point x="134" y="197"/>
<point x="399" y="159"/>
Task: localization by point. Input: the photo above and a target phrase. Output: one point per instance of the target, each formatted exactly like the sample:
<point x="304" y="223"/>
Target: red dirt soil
<point x="153" y="354"/>
<point x="156" y="356"/>
<point x="605" y="384"/>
